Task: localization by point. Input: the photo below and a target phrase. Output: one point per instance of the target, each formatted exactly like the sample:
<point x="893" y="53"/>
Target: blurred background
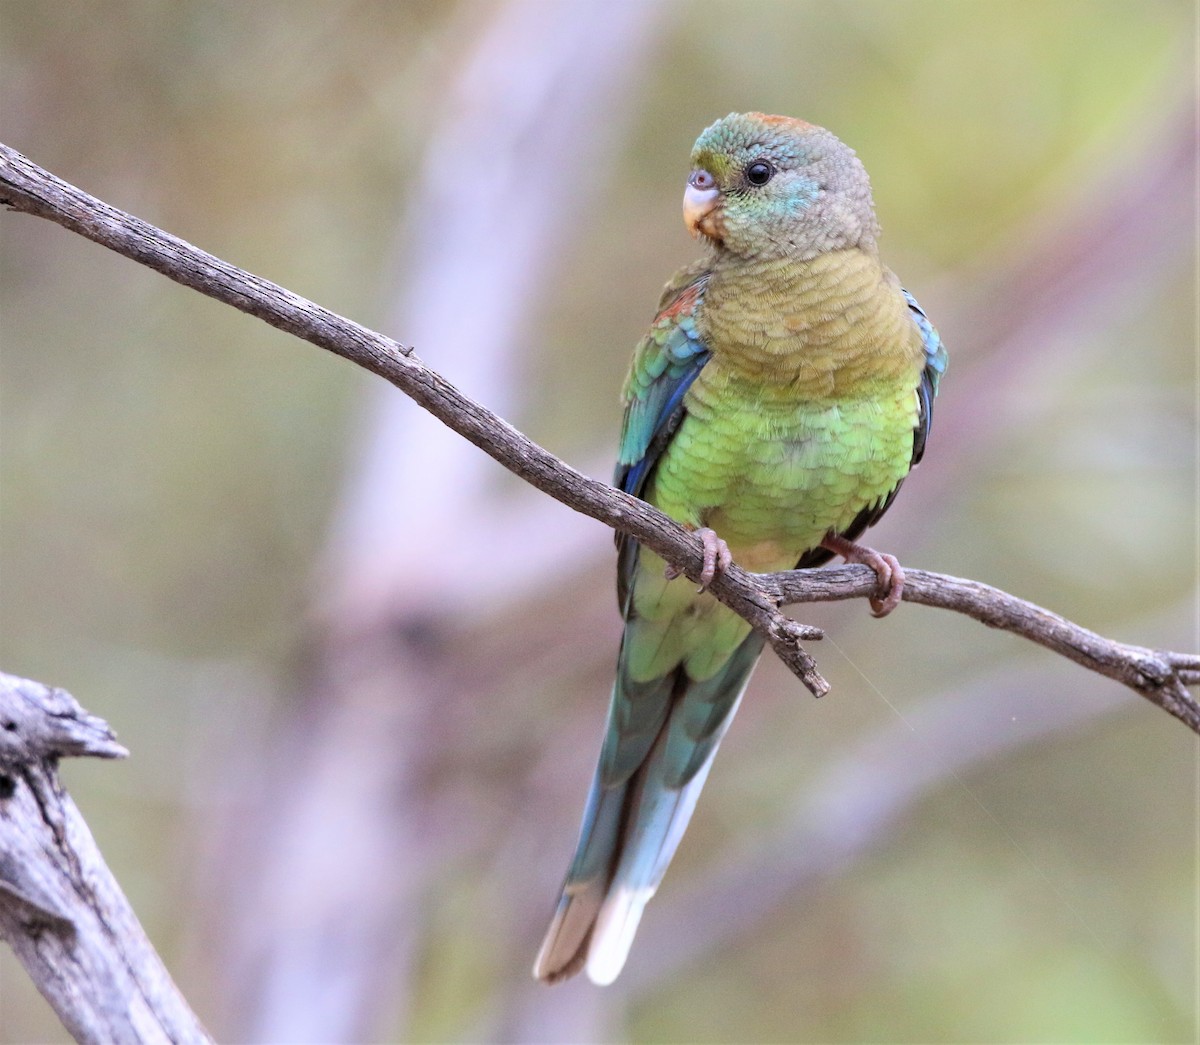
<point x="363" y="672"/>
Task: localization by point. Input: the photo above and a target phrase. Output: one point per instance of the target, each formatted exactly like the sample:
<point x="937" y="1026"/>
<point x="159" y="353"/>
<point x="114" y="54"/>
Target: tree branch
<point x="61" y="910"/>
<point x="1159" y="677"/>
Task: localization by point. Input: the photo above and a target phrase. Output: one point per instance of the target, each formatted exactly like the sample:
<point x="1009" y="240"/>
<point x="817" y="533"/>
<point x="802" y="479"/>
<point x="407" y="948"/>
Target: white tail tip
<point x="613" y="936"/>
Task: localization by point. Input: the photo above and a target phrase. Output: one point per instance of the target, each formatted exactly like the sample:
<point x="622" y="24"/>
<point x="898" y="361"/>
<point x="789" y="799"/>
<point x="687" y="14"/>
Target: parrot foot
<point x="887" y="569"/>
<point x="716" y="558"/>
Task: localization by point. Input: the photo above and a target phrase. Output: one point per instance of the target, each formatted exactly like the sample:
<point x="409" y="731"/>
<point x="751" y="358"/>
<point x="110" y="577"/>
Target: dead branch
<point x="25" y="187"/>
<point x="61" y="910"/>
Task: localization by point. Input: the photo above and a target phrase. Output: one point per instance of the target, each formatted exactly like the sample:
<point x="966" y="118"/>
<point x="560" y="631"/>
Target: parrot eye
<point x="759" y="172"/>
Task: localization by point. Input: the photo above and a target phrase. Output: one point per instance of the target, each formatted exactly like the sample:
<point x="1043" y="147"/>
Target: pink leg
<point x="716" y="558"/>
<point x="887" y="568"/>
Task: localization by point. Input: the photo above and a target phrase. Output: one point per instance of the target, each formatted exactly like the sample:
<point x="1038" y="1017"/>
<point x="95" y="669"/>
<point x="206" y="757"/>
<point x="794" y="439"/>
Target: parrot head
<point x="772" y="186"/>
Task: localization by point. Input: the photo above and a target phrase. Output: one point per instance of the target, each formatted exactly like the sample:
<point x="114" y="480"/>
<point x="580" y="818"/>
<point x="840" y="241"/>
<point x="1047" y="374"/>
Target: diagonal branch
<point x="1161" y="677"/>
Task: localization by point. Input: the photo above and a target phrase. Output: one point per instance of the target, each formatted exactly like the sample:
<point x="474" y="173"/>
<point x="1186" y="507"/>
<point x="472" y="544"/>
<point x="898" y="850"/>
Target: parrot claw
<point x="888" y="571"/>
<point x="716" y="558"/>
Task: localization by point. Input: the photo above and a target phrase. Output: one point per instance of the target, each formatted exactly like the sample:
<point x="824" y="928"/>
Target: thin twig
<point x="1161" y="677"/>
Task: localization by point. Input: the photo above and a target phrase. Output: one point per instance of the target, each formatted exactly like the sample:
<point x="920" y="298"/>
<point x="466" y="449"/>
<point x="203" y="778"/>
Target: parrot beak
<point x="699" y="201"/>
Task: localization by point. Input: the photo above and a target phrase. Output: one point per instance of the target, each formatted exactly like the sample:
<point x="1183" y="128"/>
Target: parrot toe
<point x="717" y="558"/>
<point x="892" y="589"/>
<point x="888" y="571"/>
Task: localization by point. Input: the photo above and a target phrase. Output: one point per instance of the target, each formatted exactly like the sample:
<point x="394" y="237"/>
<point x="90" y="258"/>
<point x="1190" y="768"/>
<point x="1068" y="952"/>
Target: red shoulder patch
<point x="683" y="303"/>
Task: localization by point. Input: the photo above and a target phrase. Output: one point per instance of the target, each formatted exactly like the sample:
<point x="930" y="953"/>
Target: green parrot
<point x="782" y="394"/>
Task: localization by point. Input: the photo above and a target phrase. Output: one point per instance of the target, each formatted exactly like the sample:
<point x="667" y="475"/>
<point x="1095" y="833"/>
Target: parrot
<point x="781" y="396"/>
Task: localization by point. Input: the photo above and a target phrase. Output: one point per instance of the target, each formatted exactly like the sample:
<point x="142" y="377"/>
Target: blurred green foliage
<point x="168" y="468"/>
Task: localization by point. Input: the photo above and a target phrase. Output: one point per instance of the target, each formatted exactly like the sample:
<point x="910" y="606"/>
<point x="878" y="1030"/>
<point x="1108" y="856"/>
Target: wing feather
<point x="926" y="391"/>
<point x="664" y="366"/>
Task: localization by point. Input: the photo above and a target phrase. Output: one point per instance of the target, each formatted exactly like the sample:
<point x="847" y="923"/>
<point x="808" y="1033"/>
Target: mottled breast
<point x="805" y="413"/>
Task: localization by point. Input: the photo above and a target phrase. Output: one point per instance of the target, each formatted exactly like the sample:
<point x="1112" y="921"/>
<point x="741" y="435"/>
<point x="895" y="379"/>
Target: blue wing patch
<point x="664" y="367"/>
<point x="931" y="377"/>
<point x="665" y="364"/>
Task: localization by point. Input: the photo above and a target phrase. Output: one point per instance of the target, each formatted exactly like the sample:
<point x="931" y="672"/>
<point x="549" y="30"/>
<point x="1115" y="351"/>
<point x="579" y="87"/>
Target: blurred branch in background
<point x="381" y="697"/>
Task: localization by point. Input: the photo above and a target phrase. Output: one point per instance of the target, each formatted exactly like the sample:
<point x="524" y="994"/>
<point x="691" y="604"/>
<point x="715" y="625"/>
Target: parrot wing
<point x="927" y="388"/>
<point x="664" y="366"/>
<point x="931" y="375"/>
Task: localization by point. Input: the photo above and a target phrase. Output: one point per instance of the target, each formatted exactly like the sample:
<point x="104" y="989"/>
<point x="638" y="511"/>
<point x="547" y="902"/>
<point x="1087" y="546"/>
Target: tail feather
<point x="632" y="828"/>
<point x="659" y="822"/>
<point x="565" y="948"/>
<point x="613" y="935"/>
<point x="699" y="722"/>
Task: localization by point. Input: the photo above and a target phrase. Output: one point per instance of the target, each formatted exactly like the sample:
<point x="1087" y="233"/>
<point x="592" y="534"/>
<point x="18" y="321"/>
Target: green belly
<point x="773" y="480"/>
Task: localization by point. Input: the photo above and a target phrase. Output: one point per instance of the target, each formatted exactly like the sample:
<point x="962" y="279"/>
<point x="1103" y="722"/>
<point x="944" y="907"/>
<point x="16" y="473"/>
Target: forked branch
<point x="1159" y="676"/>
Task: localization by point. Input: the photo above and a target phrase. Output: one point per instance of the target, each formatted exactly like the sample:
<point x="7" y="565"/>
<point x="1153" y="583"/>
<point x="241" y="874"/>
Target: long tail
<point x="635" y="819"/>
